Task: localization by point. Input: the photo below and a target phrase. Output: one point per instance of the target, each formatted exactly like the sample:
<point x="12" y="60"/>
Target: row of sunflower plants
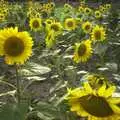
<point x="55" y="62"/>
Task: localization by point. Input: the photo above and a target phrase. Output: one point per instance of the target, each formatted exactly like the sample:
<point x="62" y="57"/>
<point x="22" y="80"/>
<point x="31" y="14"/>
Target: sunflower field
<point x="59" y="60"/>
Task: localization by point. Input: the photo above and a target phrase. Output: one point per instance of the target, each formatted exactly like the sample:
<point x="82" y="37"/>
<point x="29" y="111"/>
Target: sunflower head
<point x="80" y="9"/>
<point x="87" y="26"/>
<point x="94" y="104"/>
<point x="52" y="5"/>
<point x="87" y="11"/>
<point x="35" y="24"/>
<point x="83" y="51"/>
<point x="102" y="9"/>
<point x="98" y="14"/>
<point x="108" y="6"/>
<point x="70" y="24"/>
<point x="15" y="46"/>
<point x="98" y="33"/>
<point x="48" y="21"/>
<point x="56" y="27"/>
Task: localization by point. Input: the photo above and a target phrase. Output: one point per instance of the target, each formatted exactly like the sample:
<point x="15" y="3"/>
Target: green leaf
<point x="13" y="111"/>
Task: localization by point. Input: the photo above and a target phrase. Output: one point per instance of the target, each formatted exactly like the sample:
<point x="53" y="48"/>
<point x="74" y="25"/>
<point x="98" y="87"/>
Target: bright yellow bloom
<point x="98" y="33"/>
<point x="95" y="104"/>
<point x="87" y="27"/>
<point x="98" y="14"/>
<point x="15" y="46"/>
<point x="83" y="51"/>
<point x="35" y="24"/>
<point x="70" y="24"/>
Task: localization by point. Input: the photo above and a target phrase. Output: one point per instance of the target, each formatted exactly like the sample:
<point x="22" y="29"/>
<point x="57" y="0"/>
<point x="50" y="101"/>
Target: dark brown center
<point x="97" y="35"/>
<point x="55" y="27"/>
<point x="13" y="46"/>
<point x="35" y="24"/>
<point x="96" y="106"/>
<point x="70" y="24"/>
<point x="82" y="49"/>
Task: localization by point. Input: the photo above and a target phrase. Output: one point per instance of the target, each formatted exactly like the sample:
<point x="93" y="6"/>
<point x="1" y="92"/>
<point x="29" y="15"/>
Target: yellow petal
<point x="101" y="91"/>
<point x="87" y="87"/>
<point x="115" y="108"/>
<point x="110" y="91"/>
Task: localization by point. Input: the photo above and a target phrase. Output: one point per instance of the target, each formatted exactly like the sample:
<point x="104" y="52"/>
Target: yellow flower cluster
<point x="3" y="10"/>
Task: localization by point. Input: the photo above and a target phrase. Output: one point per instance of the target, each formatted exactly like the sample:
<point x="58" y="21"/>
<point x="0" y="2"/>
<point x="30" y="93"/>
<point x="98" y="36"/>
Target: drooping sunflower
<point x="98" y="33"/>
<point x="98" y="14"/>
<point x="70" y="24"/>
<point x="50" y="39"/>
<point x="83" y="51"/>
<point x="15" y="46"/>
<point x="35" y="24"/>
<point x="56" y="27"/>
<point x="87" y="27"/>
<point x="95" y="104"/>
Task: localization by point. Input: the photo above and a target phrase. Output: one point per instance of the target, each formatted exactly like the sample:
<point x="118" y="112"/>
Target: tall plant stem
<point x="18" y="84"/>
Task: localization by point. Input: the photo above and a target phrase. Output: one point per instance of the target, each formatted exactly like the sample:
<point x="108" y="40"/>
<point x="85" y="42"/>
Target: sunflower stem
<point x="18" y="85"/>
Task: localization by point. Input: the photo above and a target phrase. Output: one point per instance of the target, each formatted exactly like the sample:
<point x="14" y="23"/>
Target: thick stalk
<point x="18" y="85"/>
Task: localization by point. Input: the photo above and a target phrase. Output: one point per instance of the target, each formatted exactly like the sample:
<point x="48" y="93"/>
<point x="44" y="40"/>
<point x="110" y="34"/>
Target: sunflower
<point x="98" y="14"/>
<point x="83" y="51"/>
<point x="96" y="104"/>
<point x="50" y="39"/>
<point x="52" y="5"/>
<point x="87" y="26"/>
<point x="87" y="11"/>
<point x="98" y="33"/>
<point x="67" y="8"/>
<point x="48" y="21"/>
<point x="102" y="9"/>
<point x="15" y="46"/>
<point x="97" y="80"/>
<point x="35" y="24"/>
<point x="56" y="27"/>
<point x="80" y="9"/>
<point x="70" y="24"/>
<point x="108" y="6"/>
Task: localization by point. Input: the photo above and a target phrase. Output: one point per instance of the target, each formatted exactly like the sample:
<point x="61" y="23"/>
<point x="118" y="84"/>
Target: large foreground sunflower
<point x="70" y="24"/>
<point x="95" y="104"/>
<point x="15" y="46"/>
<point x="83" y="51"/>
<point x="98" y="33"/>
<point x="35" y="24"/>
